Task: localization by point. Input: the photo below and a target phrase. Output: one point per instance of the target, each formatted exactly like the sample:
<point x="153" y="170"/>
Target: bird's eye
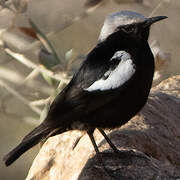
<point x="128" y="29"/>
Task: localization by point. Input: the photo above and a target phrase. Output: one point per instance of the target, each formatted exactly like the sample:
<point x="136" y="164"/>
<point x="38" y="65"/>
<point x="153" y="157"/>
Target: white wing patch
<point x="117" y="77"/>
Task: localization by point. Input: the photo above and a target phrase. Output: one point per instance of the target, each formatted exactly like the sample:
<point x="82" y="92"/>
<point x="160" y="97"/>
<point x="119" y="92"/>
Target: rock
<point x="149" y="146"/>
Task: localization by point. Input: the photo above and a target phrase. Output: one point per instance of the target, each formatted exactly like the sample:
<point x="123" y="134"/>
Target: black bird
<point x="111" y="86"/>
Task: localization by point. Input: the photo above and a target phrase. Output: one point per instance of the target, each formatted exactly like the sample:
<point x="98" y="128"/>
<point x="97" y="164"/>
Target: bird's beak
<point x="152" y="20"/>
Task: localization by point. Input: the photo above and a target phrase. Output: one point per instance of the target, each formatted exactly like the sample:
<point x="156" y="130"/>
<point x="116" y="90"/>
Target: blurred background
<point x="43" y="42"/>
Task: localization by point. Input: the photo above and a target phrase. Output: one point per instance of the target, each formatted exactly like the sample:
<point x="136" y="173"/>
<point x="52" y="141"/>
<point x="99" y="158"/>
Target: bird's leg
<point x="123" y="153"/>
<point x="76" y="142"/>
<point x="90" y="133"/>
<point x="108" y="141"/>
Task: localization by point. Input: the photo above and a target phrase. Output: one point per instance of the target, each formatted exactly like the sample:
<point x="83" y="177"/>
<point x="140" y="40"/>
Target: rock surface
<point x="149" y="146"/>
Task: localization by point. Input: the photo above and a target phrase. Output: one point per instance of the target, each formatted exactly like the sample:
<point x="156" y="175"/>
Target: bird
<point x="111" y="86"/>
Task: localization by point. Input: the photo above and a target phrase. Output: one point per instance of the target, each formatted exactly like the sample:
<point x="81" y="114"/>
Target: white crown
<point x="119" y="19"/>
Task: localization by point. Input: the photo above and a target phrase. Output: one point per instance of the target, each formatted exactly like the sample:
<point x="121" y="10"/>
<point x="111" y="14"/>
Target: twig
<point x="22" y="59"/>
<point x="40" y="102"/>
<point x="42" y="37"/>
<point x="44" y="40"/>
<point x="31" y="76"/>
<point x="157" y="7"/>
<point x="20" y="97"/>
<point x="77" y="18"/>
<point x="7" y="7"/>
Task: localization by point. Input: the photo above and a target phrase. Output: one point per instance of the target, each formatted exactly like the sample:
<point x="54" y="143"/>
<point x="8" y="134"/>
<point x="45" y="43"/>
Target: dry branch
<point x="20" y="97"/>
<point x="22" y="59"/>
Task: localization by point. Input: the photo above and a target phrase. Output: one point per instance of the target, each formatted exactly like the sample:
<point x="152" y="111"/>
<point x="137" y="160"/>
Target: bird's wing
<point x="94" y="84"/>
<point x="121" y="69"/>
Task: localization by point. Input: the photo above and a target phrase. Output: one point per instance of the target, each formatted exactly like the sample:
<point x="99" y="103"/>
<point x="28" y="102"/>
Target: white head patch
<point x="119" y="19"/>
<point x="117" y="77"/>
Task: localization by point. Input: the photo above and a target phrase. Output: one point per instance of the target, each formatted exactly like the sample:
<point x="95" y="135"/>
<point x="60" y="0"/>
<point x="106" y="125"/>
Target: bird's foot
<point x="129" y="153"/>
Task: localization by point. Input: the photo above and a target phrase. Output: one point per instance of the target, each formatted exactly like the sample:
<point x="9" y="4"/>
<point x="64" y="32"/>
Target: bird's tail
<point x="33" y="138"/>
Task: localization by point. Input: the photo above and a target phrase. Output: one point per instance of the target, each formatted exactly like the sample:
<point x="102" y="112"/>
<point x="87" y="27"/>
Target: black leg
<point x="76" y="142"/>
<point x="108" y="140"/>
<point x="90" y="133"/>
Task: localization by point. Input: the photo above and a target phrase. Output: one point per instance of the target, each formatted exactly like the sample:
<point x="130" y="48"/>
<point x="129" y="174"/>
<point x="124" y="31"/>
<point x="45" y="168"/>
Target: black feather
<point x="108" y="108"/>
<point x="33" y="138"/>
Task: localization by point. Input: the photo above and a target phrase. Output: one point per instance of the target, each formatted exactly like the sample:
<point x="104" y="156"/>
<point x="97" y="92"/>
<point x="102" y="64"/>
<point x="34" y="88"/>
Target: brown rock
<point x="149" y="146"/>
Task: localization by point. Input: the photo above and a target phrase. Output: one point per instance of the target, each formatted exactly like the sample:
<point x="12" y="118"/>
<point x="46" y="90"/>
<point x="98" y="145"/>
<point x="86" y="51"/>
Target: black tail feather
<point x="28" y="142"/>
